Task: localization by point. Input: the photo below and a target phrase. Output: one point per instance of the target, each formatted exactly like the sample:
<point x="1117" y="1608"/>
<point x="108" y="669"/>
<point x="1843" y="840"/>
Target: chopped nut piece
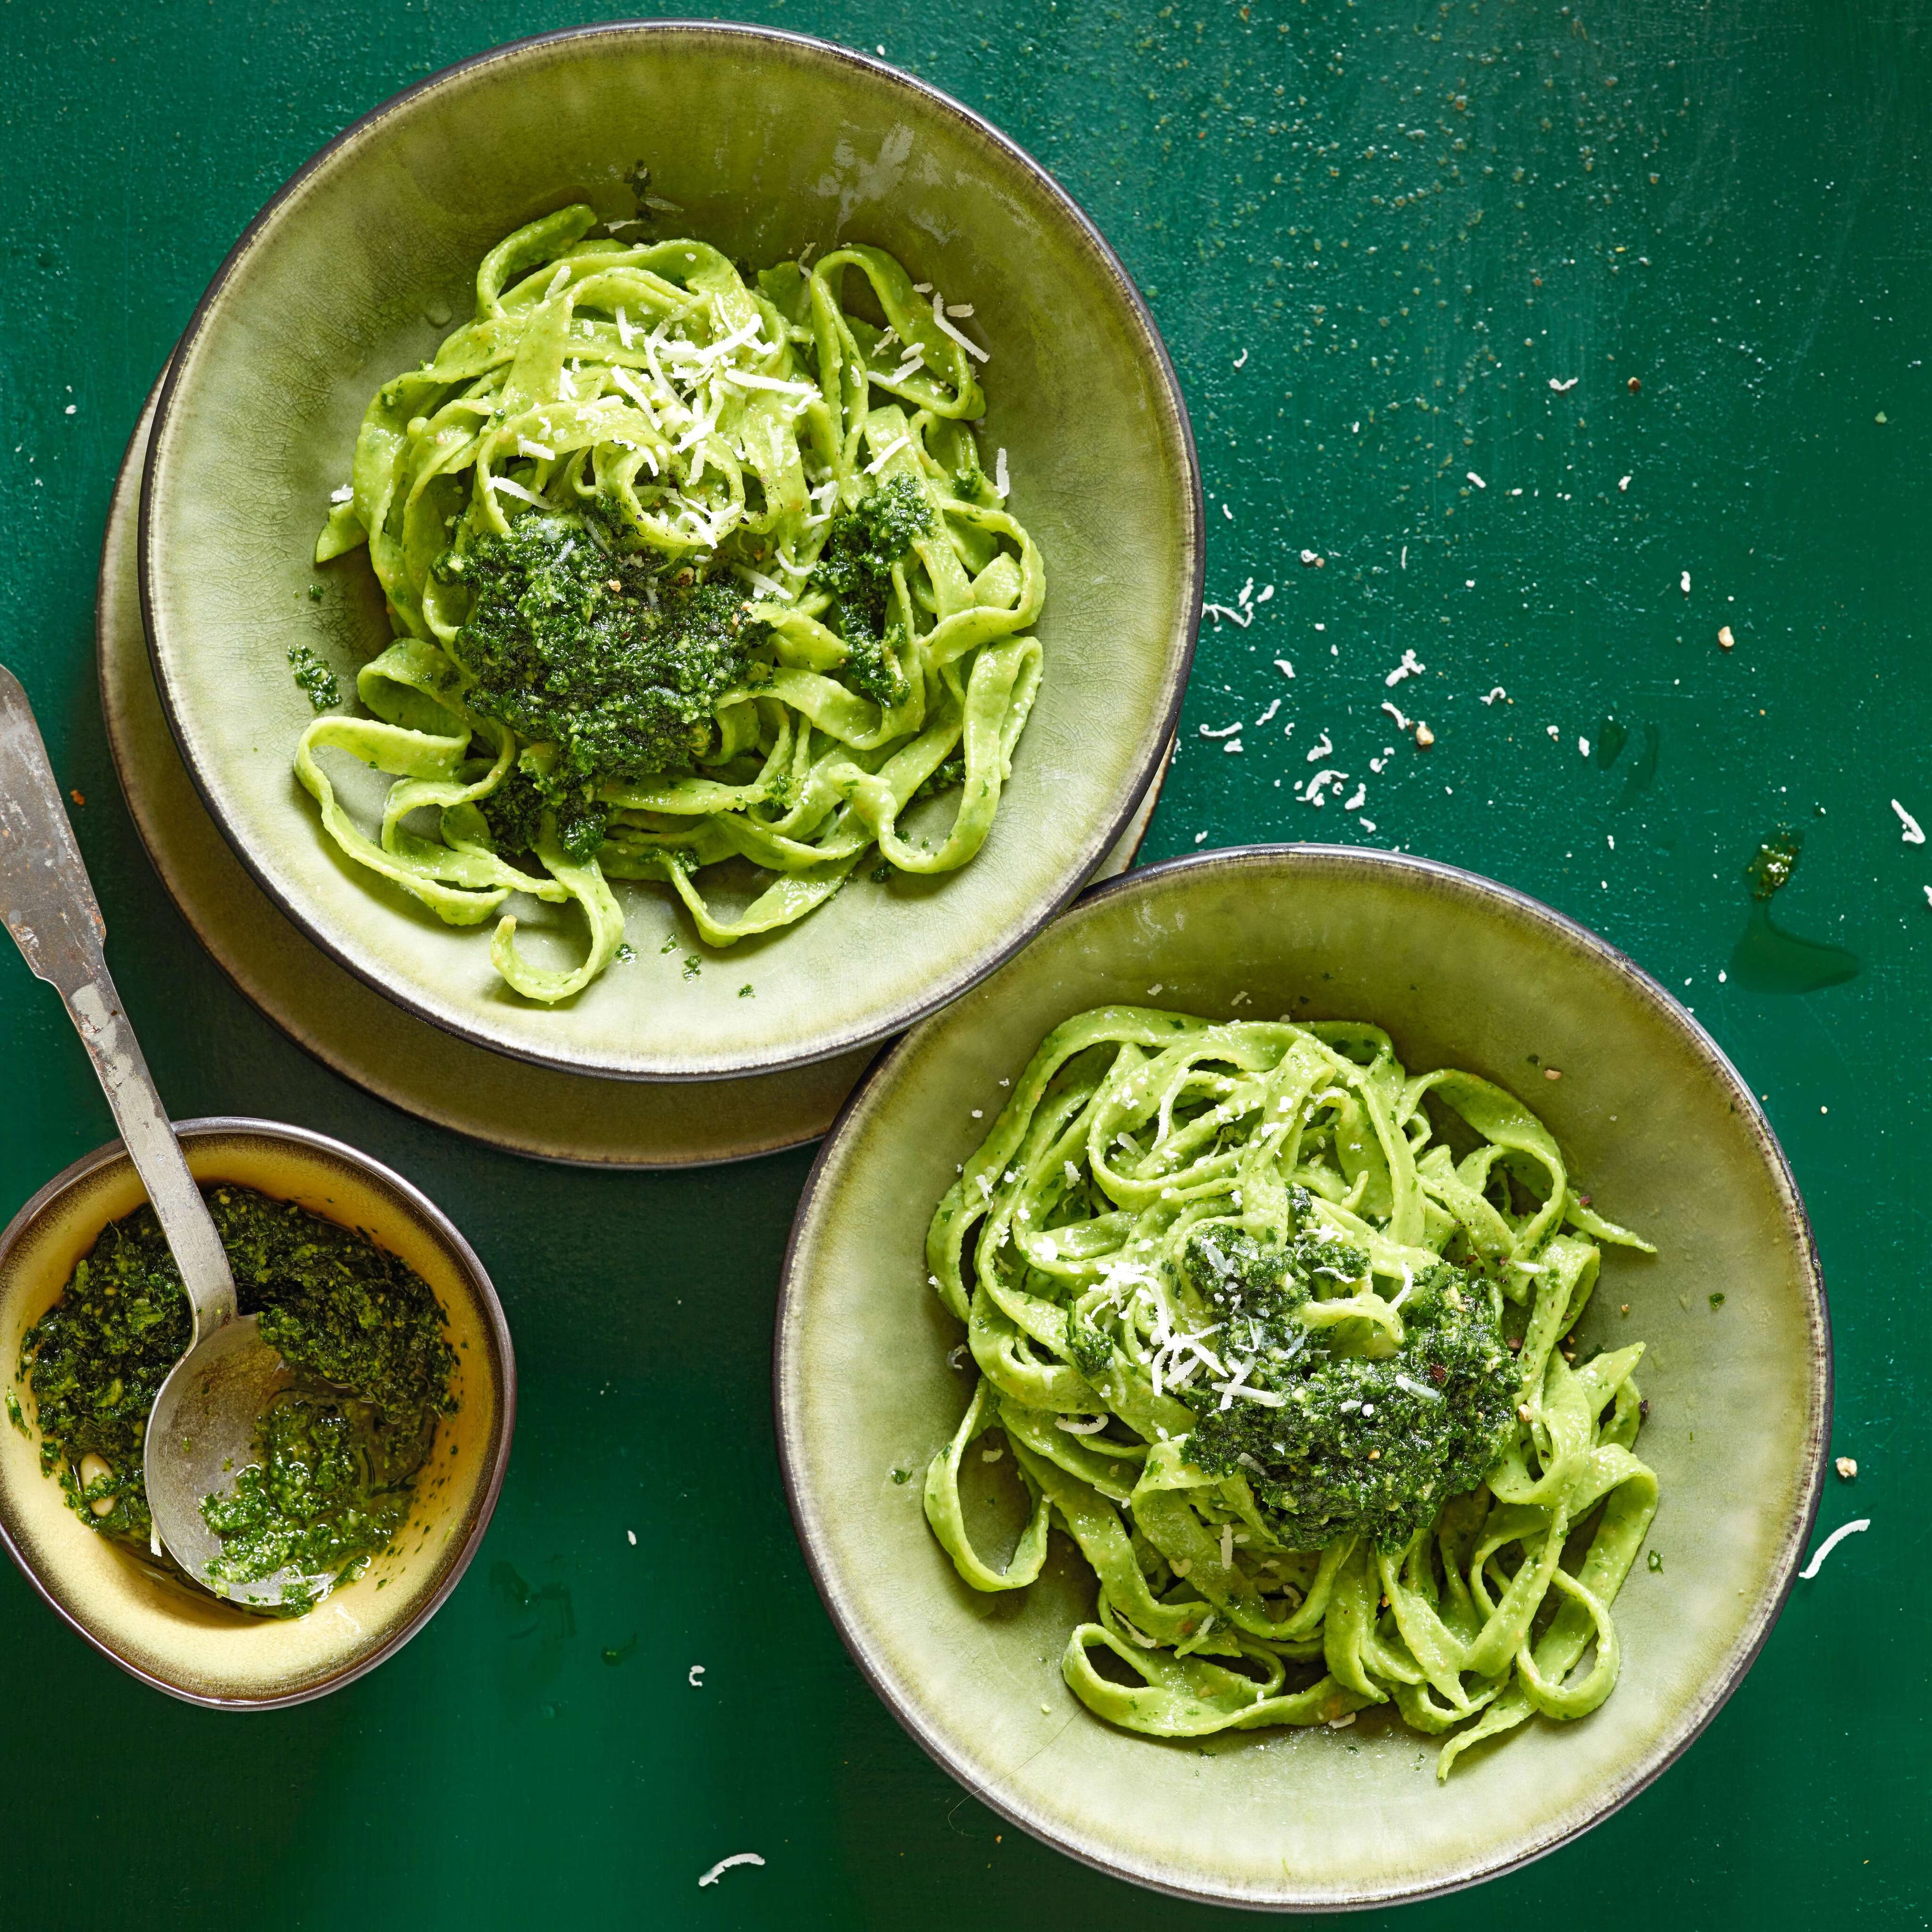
<point x="1847" y="1467"/>
<point x="1725" y="640"/>
<point x="1635" y="386"/>
<point x="1522" y="1409"/>
<point x="1553" y="1073"/>
<point x="1424" y="737"/>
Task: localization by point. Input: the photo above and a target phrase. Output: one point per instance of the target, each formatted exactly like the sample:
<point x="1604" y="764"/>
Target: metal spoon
<point x="202" y="1429"/>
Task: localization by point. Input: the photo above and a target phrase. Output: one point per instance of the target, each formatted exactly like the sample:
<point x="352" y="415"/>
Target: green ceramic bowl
<point x="1463" y="973"/>
<point x="770" y="143"/>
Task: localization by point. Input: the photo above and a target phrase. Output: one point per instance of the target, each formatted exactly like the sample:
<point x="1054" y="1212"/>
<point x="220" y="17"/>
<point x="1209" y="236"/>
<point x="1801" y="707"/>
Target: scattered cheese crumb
<point x="740" y="1857"/>
<point x="1623" y="482"/>
<point x="345" y="494"/>
<point x="1283" y="665"/>
<point x="633" y="1535"/>
<point x="1477" y="480"/>
<point x="1684" y="583"/>
<point x="1491" y="697"/>
<point x="694" y="1677"/>
<point x="1913" y="835"/>
<point x="1583" y="746"/>
<point x="1563" y="388"/>
<point x="1412" y="666"/>
<point x="1830" y="1543"/>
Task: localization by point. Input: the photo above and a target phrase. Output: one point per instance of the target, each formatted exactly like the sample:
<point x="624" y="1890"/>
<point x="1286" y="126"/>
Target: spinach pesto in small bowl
<point x="373" y="1471"/>
<point x="337" y="1455"/>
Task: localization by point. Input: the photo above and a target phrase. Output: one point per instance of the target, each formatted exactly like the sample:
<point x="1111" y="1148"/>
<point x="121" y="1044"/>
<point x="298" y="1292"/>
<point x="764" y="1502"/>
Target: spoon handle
<point x="48" y="907"/>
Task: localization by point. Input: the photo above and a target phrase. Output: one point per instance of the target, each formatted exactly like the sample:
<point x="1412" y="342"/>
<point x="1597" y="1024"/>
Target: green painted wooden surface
<point x="1722" y="200"/>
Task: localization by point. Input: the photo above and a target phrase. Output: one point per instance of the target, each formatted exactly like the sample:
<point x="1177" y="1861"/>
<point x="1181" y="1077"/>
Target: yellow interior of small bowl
<point x="166" y="1631"/>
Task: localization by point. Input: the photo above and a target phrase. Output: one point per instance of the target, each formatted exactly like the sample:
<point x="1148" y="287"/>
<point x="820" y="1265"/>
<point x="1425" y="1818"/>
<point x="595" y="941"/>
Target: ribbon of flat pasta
<point x="709" y="420"/>
<point x="1060" y="1246"/>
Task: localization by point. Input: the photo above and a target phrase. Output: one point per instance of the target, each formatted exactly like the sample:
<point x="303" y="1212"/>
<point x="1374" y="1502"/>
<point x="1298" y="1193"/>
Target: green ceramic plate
<point x="1463" y="973"/>
<point x="542" y="1111"/>
<point x="770" y="143"/>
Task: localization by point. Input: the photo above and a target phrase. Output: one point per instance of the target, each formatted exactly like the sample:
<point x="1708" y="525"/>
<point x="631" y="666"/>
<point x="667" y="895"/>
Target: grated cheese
<point x="972" y="349"/>
<point x="725" y="1865"/>
<point x="1830" y="1543"/>
<point x="1218" y="611"/>
<point x="1914" y="834"/>
<point x="504" y="485"/>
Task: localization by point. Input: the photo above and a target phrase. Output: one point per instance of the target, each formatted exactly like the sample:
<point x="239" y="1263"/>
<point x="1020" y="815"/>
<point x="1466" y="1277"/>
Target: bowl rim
<point x="1688" y="1725"/>
<point x="911" y="1012"/>
<point x="223" y="1125"/>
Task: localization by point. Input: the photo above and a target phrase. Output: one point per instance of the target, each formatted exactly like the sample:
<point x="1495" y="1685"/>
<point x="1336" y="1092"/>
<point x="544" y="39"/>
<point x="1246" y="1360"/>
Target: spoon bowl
<point x="201" y="1434"/>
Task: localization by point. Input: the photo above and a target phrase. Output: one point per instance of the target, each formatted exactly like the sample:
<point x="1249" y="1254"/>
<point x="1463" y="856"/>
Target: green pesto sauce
<point x="336" y="1456"/>
<point x="317" y="682"/>
<point x="1774" y="863"/>
<point x="1370" y="1441"/>
<point x="611" y="663"/>
<point x="856" y="567"/>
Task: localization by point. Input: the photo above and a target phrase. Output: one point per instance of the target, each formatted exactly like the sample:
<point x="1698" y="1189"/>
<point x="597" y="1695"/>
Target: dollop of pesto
<point x="1773" y="863"/>
<point x="612" y="662"/>
<point x="856" y="567"/>
<point x="314" y="679"/>
<point x="336" y="1456"/>
<point x="1370" y="1442"/>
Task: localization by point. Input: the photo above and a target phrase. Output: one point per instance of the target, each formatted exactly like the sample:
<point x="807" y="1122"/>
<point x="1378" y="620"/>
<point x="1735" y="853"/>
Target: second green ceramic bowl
<point x="1463" y="973"/>
<point x="770" y="144"/>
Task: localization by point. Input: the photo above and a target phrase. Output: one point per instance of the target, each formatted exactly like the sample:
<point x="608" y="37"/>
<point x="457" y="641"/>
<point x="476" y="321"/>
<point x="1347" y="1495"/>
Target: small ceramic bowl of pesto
<point x="375" y="1473"/>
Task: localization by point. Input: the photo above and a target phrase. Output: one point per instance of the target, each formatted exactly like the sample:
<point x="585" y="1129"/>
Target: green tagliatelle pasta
<point x="681" y="570"/>
<point x="1293" y="1373"/>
